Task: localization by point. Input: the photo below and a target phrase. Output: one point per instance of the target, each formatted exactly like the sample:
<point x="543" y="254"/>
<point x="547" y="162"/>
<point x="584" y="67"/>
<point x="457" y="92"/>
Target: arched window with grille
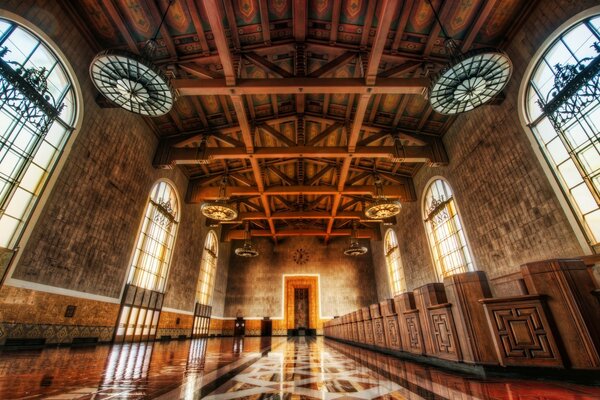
<point x="394" y="263"/>
<point x="561" y="95"/>
<point x="38" y="113"/>
<point x="205" y="286"/>
<point x="142" y="300"/>
<point x="447" y="240"/>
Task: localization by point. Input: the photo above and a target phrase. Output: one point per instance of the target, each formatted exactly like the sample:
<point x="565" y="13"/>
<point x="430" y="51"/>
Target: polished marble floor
<point x="250" y="368"/>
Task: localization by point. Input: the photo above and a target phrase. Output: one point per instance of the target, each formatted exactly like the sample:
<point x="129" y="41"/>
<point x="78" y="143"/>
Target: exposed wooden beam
<point x="277" y="135"/>
<point x="264" y="22"/>
<point x="283" y="176"/>
<point x="387" y="13"/>
<point x="195" y="15"/>
<point x="230" y="14"/>
<point x="364" y="39"/>
<point x="240" y="111"/>
<point x="300" y="20"/>
<point x="115" y="15"/>
<point x="315" y="178"/>
<point x="198" y="193"/>
<point x="359" y="116"/>
<point x="405" y="14"/>
<point x="164" y="32"/>
<point x="482" y="16"/>
<point x="300" y="215"/>
<point x="326" y="132"/>
<point x="189" y="155"/>
<point x="335" y="21"/>
<point x="333" y="64"/>
<point x="196" y="87"/>
<point x="200" y="71"/>
<point x="215" y="17"/>
<point x="400" y="69"/>
<point x="238" y="234"/>
<point x="267" y="65"/>
<point x="434" y="34"/>
<point x="241" y="179"/>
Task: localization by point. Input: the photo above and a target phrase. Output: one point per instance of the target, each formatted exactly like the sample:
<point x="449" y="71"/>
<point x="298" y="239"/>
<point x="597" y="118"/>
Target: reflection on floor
<point x="255" y="368"/>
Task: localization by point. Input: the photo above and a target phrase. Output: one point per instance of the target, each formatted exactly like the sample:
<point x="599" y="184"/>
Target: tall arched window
<point x="142" y="299"/>
<point x="37" y="115"/>
<point x="566" y="79"/>
<point x="447" y="240"/>
<point x="205" y="286"/>
<point x="208" y="267"/>
<point x="394" y="263"/>
<point x="152" y="257"/>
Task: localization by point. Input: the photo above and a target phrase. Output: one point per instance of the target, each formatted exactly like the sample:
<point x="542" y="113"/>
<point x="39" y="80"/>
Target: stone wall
<point x="509" y="211"/>
<point x="254" y="287"/>
<point x="81" y="244"/>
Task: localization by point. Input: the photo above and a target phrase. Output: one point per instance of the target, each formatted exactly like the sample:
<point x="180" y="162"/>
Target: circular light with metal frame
<point x="219" y="211"/>
<point x="383" y="208"/>
<point x="471" y="80"/>
<point x="132" y="82"/>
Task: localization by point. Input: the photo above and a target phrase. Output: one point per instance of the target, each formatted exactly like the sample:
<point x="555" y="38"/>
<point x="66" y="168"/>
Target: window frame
<point x="131" y="268"/>
<point x="387" y="253"/>
<point x="523" y="112"/>
<point x="46" y="189"/>
<point x="211" y="235"/>
<point x="439" y="273"/>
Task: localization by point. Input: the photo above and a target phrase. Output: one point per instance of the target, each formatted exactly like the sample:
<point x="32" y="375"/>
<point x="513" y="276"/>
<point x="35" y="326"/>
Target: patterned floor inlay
<point x="251" y="368"/>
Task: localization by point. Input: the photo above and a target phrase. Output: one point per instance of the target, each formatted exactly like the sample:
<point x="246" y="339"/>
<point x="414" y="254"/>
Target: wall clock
<point x="301" y="256"/>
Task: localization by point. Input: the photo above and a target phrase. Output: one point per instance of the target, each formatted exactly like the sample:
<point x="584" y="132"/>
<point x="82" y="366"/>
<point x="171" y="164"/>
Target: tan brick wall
<point x="509" y="210"/>
<point x="254" y="286"/>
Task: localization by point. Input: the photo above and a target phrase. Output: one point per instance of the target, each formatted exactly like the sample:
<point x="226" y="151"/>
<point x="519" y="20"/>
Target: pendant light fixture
<point x="355" y="248"/>
<point x="132" y="81"/>
<point x="471" y="79"/>
<point x="382" y="208"/>
<point x="220" y="210"/>
<point x="247" y="250"/>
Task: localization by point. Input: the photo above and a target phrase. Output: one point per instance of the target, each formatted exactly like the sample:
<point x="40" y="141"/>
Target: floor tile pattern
<point x="251" y="368"/>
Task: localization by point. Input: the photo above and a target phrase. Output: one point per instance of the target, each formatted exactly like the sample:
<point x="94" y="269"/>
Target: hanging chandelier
<point x="132" y="81"/>
<point x="382" y="208"/>
<point x="471" y="79"/>
<point x="247" y="250"/>
<point x="355" y="248"/>
<point x="219" y="210"/>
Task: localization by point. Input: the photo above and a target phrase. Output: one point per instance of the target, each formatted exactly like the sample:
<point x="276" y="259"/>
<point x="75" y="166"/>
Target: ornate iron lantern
<point x="355" y="248"/>
<point x="247" y="249"/>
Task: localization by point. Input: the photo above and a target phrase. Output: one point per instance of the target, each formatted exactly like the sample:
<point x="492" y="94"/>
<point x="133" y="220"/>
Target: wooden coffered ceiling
<point x="297" y="101"/>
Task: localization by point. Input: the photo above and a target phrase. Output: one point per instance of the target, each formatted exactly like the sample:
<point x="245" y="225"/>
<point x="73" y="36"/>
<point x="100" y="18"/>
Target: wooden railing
<point x="551" y="319"/>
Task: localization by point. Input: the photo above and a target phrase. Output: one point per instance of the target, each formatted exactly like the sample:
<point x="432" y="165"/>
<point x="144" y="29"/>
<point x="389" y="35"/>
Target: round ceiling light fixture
<point x="470" y="79"/>
<point x="134" y="82"/>
<point x="382" y="208"/>
<point x="247" y="249"/>
<point x="219" y="210"/>
<point x="355" y="248"/>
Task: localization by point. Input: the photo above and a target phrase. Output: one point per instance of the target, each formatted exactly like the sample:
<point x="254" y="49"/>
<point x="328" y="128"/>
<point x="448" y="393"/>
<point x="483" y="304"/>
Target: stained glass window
<point x="37" y="116"/>
<point x="394" y="263"/>
<point x="571" y="148"/>
<point x="451" y="254"/>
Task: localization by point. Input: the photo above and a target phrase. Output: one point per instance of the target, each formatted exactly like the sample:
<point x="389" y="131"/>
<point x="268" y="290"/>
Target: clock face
<point x="301" y="256"/>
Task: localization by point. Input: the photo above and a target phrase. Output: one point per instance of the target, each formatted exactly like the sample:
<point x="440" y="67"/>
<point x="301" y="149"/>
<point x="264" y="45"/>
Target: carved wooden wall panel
<point x="412" y="336"/>
<point x="521" y="331"/>
<point x="392" y="336"/>
<point x="443" y="332"/>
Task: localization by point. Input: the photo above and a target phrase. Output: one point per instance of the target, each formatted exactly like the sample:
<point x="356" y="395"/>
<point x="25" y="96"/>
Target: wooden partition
<point x="550" y="319"/>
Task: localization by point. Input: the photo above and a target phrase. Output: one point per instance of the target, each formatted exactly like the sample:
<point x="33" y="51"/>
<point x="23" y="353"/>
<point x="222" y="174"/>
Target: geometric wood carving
<point x="391" y="333"/>
<point x="378" y="333"/>
<point x="443" y="332"/>
<point x="414" y="342"/>
<point x="521" y="331"/>
<point x="369" y="332"/>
